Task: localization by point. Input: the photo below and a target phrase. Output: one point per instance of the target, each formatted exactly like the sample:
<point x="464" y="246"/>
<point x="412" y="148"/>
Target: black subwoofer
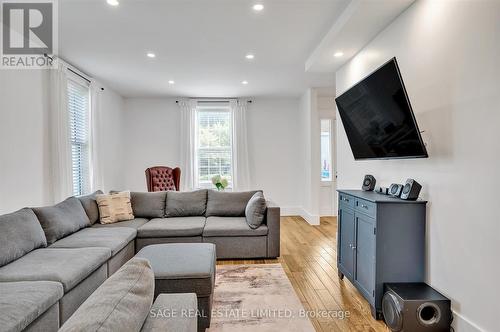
<point x="414" y="307"/>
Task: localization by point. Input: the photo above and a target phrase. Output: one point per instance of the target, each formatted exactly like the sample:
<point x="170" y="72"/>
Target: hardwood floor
<point x="308" y="256"/>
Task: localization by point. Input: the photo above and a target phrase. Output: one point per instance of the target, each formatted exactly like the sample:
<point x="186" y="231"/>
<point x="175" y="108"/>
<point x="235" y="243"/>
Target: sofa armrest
<point x="173" y="312"/>
<point x="273" y="225"/>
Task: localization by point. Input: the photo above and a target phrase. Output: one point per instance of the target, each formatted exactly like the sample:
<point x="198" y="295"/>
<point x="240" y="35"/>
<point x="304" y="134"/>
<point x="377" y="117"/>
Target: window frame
<point x="82" y="184"/>
<point x="215" y="109"/>
<point x="330" y="148"/>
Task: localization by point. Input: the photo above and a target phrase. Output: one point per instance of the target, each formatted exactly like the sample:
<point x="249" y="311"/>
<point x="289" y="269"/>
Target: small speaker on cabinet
<point x="395" y="189"/>
<point x="411" y="307"/>
<point x="382" y="190"/>
<point x="369" y="183"/>
<point x="411" y="190"/>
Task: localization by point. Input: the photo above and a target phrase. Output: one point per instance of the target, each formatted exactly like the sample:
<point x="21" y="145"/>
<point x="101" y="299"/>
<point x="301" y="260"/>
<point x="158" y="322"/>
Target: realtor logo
<point x="28" y="33"/>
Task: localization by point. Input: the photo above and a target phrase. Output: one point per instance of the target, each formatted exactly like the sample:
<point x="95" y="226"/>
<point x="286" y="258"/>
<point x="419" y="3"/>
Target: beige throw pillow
<point x="114" y="207"/>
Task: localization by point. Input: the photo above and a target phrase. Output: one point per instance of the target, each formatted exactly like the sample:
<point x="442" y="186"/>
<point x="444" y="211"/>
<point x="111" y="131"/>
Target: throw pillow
<point x="255" y="210"/>
<point x="115" y="207"/>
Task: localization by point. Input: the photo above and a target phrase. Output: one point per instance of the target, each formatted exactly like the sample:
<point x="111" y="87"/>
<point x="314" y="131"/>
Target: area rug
<point x="256" y="298"/>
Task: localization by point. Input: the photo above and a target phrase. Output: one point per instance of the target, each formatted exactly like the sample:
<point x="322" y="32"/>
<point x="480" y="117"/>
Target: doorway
<point x="327" y="204"/>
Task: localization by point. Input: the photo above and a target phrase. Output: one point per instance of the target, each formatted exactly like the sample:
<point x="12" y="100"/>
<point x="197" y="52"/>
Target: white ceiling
<point x="199" y="44"/>
<point x="358" y="24"/>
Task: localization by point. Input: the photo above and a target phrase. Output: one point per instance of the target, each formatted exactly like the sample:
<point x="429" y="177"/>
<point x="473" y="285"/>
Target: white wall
<point x="448" y="52"/>
<point x="152" y="137"/>
<point x="24" y="168"/>
<point x="112" y="149"/>
<point x="310" y="145"/>
<point x="25" y="178"/>
<point x="153" y="134"/>
<point x="274" y="153"/>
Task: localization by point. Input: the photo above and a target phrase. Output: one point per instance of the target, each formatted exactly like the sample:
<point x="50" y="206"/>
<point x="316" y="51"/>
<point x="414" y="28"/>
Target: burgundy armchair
<point x="161" y="178"/>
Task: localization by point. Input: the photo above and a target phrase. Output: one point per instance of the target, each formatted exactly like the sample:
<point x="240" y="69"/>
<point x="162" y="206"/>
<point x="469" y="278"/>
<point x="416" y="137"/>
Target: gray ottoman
<point x="185" y="268"/>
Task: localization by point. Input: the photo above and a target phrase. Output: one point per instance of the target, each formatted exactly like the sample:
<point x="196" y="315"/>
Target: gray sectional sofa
<point x="124" y="302"/>
<point x="53" y="258"/>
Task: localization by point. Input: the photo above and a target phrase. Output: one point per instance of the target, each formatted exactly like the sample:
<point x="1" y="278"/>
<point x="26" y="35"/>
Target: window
<point x="213" y="145"/>
<point x="326" y="150"/>
<point x="78" y="94"/>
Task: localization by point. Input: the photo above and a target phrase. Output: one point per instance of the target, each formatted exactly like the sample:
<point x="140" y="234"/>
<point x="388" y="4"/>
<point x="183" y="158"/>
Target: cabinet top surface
<point x="372" y="196"/>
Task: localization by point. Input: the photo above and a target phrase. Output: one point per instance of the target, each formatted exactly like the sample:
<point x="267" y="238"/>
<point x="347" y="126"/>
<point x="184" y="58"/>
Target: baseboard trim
<point x="462" y="324"/>
<point x="299" y="211"/>
<point x="312" y="219"/>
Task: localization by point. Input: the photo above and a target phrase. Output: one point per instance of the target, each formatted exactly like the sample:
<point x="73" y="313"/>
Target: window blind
<point x="79" y="116"/>
<point x="213" y="146"/>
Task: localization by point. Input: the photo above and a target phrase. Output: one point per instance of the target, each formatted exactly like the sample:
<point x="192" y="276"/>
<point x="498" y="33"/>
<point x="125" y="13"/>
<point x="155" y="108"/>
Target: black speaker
<point x="369" y="183"/>
<point x="382" y="190"/>
<point x="414" y="307"/>
<point x="395" y="189"/>
<point x="411" y="190"/>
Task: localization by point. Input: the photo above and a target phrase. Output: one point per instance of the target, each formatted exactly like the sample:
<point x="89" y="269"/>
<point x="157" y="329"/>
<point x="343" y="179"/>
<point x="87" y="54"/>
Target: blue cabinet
<point x="381" y="239"/>
<point x="364" y="277"/>
<point x="346" y="233"/>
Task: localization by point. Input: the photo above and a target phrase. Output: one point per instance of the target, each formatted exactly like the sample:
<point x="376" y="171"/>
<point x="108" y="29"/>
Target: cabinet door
<point x="365" y="255"/>
<point x="346" y="241"/>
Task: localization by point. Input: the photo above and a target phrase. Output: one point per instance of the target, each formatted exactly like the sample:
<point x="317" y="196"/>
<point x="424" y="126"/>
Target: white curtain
<point x="187" y="148"/>
<point x="241" y="172"/>
<point x="61" y="168"/>
<point x="96" y="131"/>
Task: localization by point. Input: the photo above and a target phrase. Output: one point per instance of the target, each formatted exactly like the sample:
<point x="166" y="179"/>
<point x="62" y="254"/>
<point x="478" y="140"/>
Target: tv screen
<point x="378" y="118"/>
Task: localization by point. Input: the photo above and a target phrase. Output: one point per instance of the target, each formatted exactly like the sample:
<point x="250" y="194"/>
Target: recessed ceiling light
<point x="250" y="56"/>
<point x="244" y="82"/>
<point x="171" y="82"/>
<point x="258" y="7"/>
<point x="151" y="55"/>
<point x="113" y="2"/>
<point x="338" y="54"/>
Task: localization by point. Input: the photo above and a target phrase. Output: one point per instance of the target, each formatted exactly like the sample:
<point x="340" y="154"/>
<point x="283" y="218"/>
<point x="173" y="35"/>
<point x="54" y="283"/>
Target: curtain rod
<point x="214" y="100"/>
<point x="70" y="68"/>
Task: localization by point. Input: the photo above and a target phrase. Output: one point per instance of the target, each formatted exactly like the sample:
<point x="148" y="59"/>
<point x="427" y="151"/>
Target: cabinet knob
<point x="364" y="206"/>
<point x="353" y="247"/>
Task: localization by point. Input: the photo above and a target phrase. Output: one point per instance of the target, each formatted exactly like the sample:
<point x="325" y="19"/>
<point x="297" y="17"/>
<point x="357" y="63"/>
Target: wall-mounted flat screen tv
<point x="378" y="118"/>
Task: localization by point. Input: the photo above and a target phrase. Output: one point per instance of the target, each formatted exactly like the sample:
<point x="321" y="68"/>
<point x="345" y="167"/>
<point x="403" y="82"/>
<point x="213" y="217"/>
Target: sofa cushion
<point x="184" y="304"/>
<point x="23" y="302"/>
<point x="171" y="227"/>
<point x="20" y="233"/>
<point x="62" y="219"/>
<point x="114" y="207"/>
<point x="231" y="226"/>
<point x="182" y="267"/>
<point x="185" y="204"/>
<point x="67" y="266"/>
<point x="148" y="205"/>
<point x="227" y="204"/>
<point x="90" y="206"/>
<point x="255" y="210"/>
<point x="115" y="239"/>
<point x="121" y="303"/>
<point x="134" y="223"/>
